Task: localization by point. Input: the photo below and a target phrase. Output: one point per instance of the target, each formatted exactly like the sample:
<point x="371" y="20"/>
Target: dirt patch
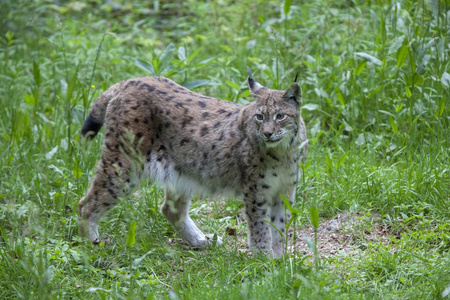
<point x="345" y="234"/>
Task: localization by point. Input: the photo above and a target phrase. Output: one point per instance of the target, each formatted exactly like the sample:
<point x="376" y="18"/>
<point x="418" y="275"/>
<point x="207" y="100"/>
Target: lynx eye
<point x="280" y="116"/>
<point x="259" y="117"/>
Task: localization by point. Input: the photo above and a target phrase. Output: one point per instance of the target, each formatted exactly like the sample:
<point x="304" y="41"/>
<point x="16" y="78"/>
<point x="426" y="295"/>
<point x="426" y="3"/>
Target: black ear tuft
<point x="296" y="76"/>
<point x="249" y="73"/>
<point x="251" y="82"/>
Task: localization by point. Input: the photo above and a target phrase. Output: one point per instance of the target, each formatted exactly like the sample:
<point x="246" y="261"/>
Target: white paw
<point x="206" y="241"/>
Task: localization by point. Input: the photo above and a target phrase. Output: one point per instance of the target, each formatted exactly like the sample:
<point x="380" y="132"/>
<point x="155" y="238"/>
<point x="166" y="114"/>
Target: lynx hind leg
<point x="106" y="187"/>
<point x="176" y="210"/>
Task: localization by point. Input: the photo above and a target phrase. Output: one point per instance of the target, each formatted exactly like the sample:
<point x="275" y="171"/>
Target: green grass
<point x="376" y="84"/>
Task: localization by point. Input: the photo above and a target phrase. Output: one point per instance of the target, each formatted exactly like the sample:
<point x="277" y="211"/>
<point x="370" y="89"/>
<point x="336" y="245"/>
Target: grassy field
<point x="376" y="84"/>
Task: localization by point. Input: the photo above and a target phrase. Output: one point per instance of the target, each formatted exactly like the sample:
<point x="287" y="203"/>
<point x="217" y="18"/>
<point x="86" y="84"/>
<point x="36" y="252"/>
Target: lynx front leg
<point x="176" y="210"/>
<point x="259" y="238"/>
<point x="279" y="217"/>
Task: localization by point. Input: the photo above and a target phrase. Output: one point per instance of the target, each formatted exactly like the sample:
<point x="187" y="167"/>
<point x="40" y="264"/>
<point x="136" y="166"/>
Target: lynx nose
<point x="267" y="134"/>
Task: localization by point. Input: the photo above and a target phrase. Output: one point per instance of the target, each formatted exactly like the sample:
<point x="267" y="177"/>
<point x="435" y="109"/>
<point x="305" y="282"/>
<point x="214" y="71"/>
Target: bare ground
<point x="344" y="234"/>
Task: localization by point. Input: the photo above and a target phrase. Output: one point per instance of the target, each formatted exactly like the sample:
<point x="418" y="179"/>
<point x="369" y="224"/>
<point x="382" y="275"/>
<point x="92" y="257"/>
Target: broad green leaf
<point x="63" y="83"/>
<point x="9" y="37"/>
<point x="44" y="118"/>
<point x="412" y="62"/>
<point x="434" y="7"/>
<point x="30" y="99"/>
<point x="145" y="66"/>
<point x="402" y="54"/>
<point x="36" y="74"/>
<point x="137" y="262"/>
<point x="347" y="126"/>
<point x="408" y="92"/>
<point x="440" y="110"/>
<point x="274" y="227"/>
<point x="423" y="64"/>
<point x="396" y="44"/>
<point x="310" y="106"/>
<point x="226" y="48"/>
<point x="131" y="236"/>
<point x="341" y="160"/>
<point x="340" y="96"/>
<point x="288" y="205"/>
<point x="360" y="68"/>
<point x="321" y="93"/>
<point x="328" y="162"/>
<point x="23" y="209"/>
<point x="314" y="214"/>
<point x="181" y="53"/>
<point x="361" y="140"/>
<point x="399" y="107"/>
<point x="205" y="61"/>
<point x="442" y="46"/>
<point x="196" y="83"/>
<point x="393" y="124"/>
<point x="417" y="79"/>
<point x="52" y="152"/>
<point x="156" y="64"/>
<point x="369" y="57"/>
<point x="76" y="169"/>
<point x="287" y="6"/>
<point x="194" y="54"/>
<point x="311" y="244"/>
<point x="446" y="292"/>
<point x="445" y="79"/>
<point x="386" y="113"/>
<point x="53" y="167"/>
<point x="71" y="85"/>
<point x="293" y="211"/>
<point x="94" y="289"/>
<point x="383" y="29"/>
<point x="233" y="85"/>
<point x="165" y="58"/>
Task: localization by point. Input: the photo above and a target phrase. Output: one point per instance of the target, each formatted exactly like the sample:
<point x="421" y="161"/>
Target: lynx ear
<point x="294" y="94"/>
<point x="253" y="85"/>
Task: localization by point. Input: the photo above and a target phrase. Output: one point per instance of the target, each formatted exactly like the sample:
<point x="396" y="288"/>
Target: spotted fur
<point x="192" y="144"/>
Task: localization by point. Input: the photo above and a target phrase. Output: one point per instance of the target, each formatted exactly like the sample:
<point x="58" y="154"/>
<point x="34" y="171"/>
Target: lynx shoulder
<point x="192" y="144"/>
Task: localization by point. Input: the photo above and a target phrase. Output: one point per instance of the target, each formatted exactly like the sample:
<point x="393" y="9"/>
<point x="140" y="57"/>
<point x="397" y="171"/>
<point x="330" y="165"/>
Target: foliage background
<point x="376" y="84"/>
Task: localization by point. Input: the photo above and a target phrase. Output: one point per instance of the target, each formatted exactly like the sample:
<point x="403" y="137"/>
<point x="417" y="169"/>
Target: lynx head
<point x="276" y="113"/>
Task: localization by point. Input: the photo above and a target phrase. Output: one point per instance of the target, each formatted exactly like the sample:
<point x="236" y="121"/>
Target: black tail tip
<point x="90" y="128"/>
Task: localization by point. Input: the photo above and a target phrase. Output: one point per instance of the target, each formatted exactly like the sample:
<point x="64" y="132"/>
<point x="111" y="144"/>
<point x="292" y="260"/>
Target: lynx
<point x="196" y="145"/>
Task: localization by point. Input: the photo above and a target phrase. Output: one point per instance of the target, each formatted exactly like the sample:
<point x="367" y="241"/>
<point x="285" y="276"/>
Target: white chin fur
<point x="273" y="144"/>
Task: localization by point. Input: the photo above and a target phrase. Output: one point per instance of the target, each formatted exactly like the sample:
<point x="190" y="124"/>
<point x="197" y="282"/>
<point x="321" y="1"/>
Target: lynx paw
<point x="207" y="241"/>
